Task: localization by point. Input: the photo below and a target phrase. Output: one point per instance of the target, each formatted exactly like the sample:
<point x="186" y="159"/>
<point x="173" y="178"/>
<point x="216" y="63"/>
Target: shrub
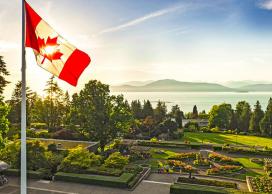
<point x="178" y="188"/>
<point x="180" y="156"/>
<point x="257" y="160"/>
<point x="38" y="125"/>
<point x="52" y="147"/>
<point x="116" y="160"/>
<point x="79" y="158"/>
<point x="207" y="182"/>
<point x="222" y="159"/>
<point x="43" y="134"/>
<point x="215" y="130"/>
<point x="30" y="173"/>
<point x="119" y="182"/>
<point x="153" y="139"/>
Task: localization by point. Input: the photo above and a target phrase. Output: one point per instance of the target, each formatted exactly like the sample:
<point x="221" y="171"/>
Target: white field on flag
<point x="53" y="63"/>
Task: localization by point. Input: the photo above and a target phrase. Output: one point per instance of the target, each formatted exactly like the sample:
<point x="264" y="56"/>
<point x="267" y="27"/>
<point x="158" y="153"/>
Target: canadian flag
<point x="52" y="52"/>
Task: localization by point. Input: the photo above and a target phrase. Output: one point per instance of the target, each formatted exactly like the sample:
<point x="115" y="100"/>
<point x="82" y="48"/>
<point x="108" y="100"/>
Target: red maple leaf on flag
<point x="49" y="49"/>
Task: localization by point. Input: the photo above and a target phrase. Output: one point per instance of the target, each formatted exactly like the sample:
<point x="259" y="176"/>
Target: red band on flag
<point x="74" y="66"/>
<point x="32" y="20"/>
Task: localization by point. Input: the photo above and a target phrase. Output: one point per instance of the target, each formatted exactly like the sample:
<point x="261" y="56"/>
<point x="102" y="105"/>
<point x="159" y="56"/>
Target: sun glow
<point x="49" y="50"/>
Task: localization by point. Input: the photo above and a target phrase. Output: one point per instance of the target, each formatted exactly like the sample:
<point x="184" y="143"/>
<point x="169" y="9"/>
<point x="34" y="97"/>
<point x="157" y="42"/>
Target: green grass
<point x="219" y="138"/>
<point x="164" y="155"/>
<point x="247" y="163"/>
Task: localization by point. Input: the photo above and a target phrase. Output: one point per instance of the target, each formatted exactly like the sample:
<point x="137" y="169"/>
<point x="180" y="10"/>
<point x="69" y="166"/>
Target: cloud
<point x="265" y="4"/>
<point x="6" y="46"/>
<point x="142" y="19"/>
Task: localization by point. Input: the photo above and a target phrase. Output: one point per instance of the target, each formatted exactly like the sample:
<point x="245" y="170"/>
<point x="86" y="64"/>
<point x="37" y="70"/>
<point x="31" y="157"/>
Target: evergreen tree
<point x="147" y="109"/>
<point x="266" y="122"/>
<point x="177" y="114"/>
<point x="136" y="109"/>
<point x="160" y="112"/>
<point x="14" y="115"/>
<point x="3" y="73"/>
<point x="243" y="113"/>
<point x="195" y="112"/>
<point x="256" y="118"/>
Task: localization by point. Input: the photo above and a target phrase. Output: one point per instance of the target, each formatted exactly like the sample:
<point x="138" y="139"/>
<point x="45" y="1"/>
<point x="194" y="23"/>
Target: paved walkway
<point x="155" y="184"/>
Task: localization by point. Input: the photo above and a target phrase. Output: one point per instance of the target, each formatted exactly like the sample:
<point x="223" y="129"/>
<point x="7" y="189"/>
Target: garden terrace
<point x="68" y="144"/>
<point x="260" y="184"/>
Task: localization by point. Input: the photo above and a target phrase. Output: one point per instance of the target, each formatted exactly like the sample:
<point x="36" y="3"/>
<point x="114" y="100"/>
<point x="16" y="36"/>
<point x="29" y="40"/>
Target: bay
<point x="203" y="100"/>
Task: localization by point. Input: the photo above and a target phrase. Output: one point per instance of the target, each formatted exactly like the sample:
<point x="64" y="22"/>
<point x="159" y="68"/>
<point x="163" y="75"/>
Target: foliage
<point x="220" y="116"/>
<point x="116" y="160"/>
<point x="195" y="112"/>
<point x="160" y="112"/>
<point x="261" y="184"/>
<point x="221" y="158"/>
<point x="177" y="114"/>
<point x="224" y="169"/>
<point x="79" y="158"/>
<point x="207" y="182"/>
<point x="266" y="122"/>
<point x="256" y="118"/>
<point x="4" y="123"/>
<point x="180" y="156"/>
<point x="243" y="112"/>
<point x="3" y="73"/>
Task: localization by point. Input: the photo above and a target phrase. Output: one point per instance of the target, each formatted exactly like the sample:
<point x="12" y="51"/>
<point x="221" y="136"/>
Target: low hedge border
<point x="168" y="144"/>
<point x="207" y="182"/>
<point x="110" y="181"/>
<point x="30" y="173"/>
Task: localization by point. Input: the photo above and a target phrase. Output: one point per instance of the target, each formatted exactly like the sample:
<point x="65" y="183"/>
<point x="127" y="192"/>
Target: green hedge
<point x="168" y="144"/>
<point x="30" y="173"/>
<point x="111" y="181"/>
<point x="207" y="182"/>
<point x="194" y="189"/>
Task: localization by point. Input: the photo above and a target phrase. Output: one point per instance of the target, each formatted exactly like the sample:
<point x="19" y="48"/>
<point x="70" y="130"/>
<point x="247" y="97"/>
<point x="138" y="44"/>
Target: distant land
<point x="170" y="85"/>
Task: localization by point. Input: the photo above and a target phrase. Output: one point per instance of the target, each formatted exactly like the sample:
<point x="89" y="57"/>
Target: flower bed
<point x="224" y="169"/>
<point x="253" y="151"/>
<point x="261" y="184"/>
<point x="222" y="159"/>
<point x="180" y="156"/>
<point x="207" y="182"/>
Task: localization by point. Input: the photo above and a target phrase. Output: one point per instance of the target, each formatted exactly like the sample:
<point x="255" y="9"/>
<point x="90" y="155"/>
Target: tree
<point x="3" y="73"/>
<point x="136" y="109"/>
<point x="120" y="117"/>
<point x="54" y="104"/>
<point x="147" y="109"/>
<point x="177" y="114"/>
<point x="220" y="116"/>
<point x="195" y="112"/>
<point x="256" y="118"/>
<point x="15" y="104"/>
<point x="4" y="123"/>
<point x="243" y="113"/>
<point x="160" y="112"/>
<point x="266" y="122"/>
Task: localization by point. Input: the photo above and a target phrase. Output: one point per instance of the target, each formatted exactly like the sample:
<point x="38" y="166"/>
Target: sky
<point x="128" y="40"/>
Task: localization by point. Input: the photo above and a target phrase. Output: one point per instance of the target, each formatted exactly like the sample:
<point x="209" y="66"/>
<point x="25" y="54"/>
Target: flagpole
<point x="23" y="110"/>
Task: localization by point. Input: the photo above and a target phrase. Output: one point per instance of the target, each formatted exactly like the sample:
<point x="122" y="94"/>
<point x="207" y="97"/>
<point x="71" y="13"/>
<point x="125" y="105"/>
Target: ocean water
<point x="203" y="100"/>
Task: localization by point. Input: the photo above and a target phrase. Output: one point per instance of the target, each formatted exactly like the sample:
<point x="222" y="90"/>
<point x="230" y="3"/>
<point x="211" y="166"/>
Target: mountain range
<point x="170" y="85"/>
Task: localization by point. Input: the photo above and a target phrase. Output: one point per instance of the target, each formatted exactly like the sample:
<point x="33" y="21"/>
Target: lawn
<point x="65" y="144"/>
<point x="248" y="164"/>
<point x="219" y="138"/>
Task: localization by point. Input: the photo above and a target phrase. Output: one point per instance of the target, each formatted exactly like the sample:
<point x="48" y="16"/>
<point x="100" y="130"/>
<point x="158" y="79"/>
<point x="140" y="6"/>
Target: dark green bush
<point x="110" y="181"/>
<point x="38" y="125"/>
<point x="30" y="173"/>
<point x="207" y="182"/>
<point x="194" y="189"/>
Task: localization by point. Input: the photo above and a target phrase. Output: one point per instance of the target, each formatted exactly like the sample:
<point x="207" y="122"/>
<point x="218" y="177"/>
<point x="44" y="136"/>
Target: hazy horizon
<point x="215" y="41"/>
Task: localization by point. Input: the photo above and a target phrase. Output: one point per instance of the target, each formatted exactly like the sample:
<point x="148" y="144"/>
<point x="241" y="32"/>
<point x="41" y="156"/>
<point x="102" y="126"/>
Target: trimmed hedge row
<point x="110" y="181"/>
<point x="101" y="170"/>
<point x="168" y="144"/>
<point x="246" y="151"/>
<point x="178" y="188"/>
<point x="30" y="173"/>
<point x="207" y="182"/>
